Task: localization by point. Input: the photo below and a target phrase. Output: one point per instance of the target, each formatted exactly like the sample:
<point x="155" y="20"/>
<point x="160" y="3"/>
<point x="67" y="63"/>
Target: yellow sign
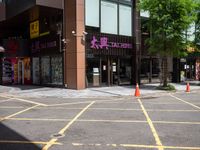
<point x="34" y="29"/>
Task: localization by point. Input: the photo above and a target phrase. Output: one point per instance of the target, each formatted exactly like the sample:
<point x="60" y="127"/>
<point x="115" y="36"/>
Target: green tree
<point x="168" y="21"/>
<point x="197" y="30"/>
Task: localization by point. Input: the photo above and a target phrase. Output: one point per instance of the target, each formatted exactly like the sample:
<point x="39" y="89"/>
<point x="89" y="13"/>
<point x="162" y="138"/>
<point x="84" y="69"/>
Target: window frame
<point x="118" y="2"/>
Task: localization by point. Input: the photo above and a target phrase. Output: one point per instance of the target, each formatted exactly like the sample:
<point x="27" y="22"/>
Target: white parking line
<point x="195" y="106"/>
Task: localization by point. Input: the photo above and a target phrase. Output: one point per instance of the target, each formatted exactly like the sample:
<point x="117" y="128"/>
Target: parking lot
<point x="168" y="121"/>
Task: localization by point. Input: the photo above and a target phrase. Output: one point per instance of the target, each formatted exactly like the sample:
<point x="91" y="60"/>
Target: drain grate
<point x="57" y="135"/>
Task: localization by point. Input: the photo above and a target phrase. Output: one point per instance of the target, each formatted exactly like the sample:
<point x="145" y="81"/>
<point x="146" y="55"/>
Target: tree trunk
<point x="165" y="71"/>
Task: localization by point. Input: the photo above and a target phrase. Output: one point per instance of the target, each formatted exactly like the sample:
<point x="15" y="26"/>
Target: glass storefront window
<point x="145" y="68"/>
<point x="45" y="70"/>
<point x="125" y="20"/>
<point x="109" y="23"/>
<point x="92" y="13"/>
<point x="93" y="72"/>
<point x="155" y="68"/>
<point x="56" y="70"/>
<point x="51" y="70"/>
<point x="125" y="71"/>
<point x="36" y="70"/>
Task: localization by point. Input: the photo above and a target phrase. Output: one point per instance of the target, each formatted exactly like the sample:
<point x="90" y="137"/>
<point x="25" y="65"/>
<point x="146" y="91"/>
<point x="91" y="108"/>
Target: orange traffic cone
<point x="137" y="91"/>
<point x="188" y="87"/>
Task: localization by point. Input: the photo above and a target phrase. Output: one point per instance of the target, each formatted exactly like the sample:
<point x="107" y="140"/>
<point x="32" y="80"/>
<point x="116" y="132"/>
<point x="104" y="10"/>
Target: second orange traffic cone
<point x="137" y="91"/>
<point x="188" y="87"/>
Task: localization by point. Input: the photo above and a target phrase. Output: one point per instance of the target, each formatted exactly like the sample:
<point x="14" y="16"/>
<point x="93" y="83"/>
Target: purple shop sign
<point x="104" y="43"/>
<point x="38" y="45"/>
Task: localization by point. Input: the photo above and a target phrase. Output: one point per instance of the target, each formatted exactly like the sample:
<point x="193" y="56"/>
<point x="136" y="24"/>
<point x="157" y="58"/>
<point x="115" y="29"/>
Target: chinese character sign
<point x="34" y="29"/>
<point x="104" y="43"/>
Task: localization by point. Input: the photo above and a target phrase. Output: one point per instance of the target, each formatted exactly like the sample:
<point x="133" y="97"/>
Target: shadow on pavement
<point x="7" y="134"/>
<point x="25" y="87"/>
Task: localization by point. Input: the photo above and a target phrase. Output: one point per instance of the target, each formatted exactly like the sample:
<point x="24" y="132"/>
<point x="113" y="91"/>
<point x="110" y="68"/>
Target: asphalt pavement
<point x="155" y="121"/>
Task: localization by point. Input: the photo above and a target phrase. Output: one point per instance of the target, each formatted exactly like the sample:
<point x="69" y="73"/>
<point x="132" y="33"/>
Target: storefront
<point x="150" y="69"/>
<point x="108" y="60"/>
<point x="47" y="61"/>
<point x="189" y="69"/>
<point x="15" y="63"/>
<point x="197" y="69"/>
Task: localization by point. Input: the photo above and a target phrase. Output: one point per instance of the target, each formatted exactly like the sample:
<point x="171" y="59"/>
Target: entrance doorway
<point x="20" y="72"/>
<point x="114" y="75"/>
<point x="108" y="71"/>
<point x="104" y="71"/>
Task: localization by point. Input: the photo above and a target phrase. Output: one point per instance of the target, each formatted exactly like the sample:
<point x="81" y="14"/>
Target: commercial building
<point x="30" y="36"/>
<point x="71" y="43"/>
<point x="79" y="44"/>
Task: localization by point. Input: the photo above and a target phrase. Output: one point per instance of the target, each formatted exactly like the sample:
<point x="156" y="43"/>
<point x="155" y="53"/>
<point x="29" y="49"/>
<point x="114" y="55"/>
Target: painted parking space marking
<point x="65" y="104"/>
<point x="74" y="108"/>
<point x="23" y="100"/>
<point x="171" y="110"/>
<point x="155" y="134"/>
<point x="22" y="111"/>
<point x="37" y="119"/>
<point x="86" y="102"/>
<point x="110" y="121"/>
<point x="136" y="146"/>
<point x="120" y="109"/>
<point x="62" y="131"/>
<point x="20" y="99"/>
<point x="26" y="142"/>
<point x="114" y="121"/>
<point x="176" y="122"/>
<point x="193" y="105"/>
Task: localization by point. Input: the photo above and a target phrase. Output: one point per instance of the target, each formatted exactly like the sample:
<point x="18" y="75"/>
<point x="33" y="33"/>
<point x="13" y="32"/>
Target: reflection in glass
<point x="56" y="70"/>
<point x="36" y="70"/>
<point x="45" y="70"/>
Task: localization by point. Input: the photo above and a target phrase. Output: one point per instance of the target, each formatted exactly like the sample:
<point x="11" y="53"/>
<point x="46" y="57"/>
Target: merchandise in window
<point x="56" y="70"/>
<point x="36" y="70"/>
<point x="45" y="70"/>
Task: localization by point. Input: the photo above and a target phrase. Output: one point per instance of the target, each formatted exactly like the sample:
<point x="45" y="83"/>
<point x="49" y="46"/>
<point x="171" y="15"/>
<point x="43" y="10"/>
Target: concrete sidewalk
<point x="38" y="91"/>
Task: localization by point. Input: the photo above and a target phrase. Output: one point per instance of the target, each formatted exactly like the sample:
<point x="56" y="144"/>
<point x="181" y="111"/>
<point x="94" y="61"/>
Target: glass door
<point x="20" y="72"/>
<point x="104" y="71"/>
<point x="114" y="71"/>
<point x="36" y="70"/>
